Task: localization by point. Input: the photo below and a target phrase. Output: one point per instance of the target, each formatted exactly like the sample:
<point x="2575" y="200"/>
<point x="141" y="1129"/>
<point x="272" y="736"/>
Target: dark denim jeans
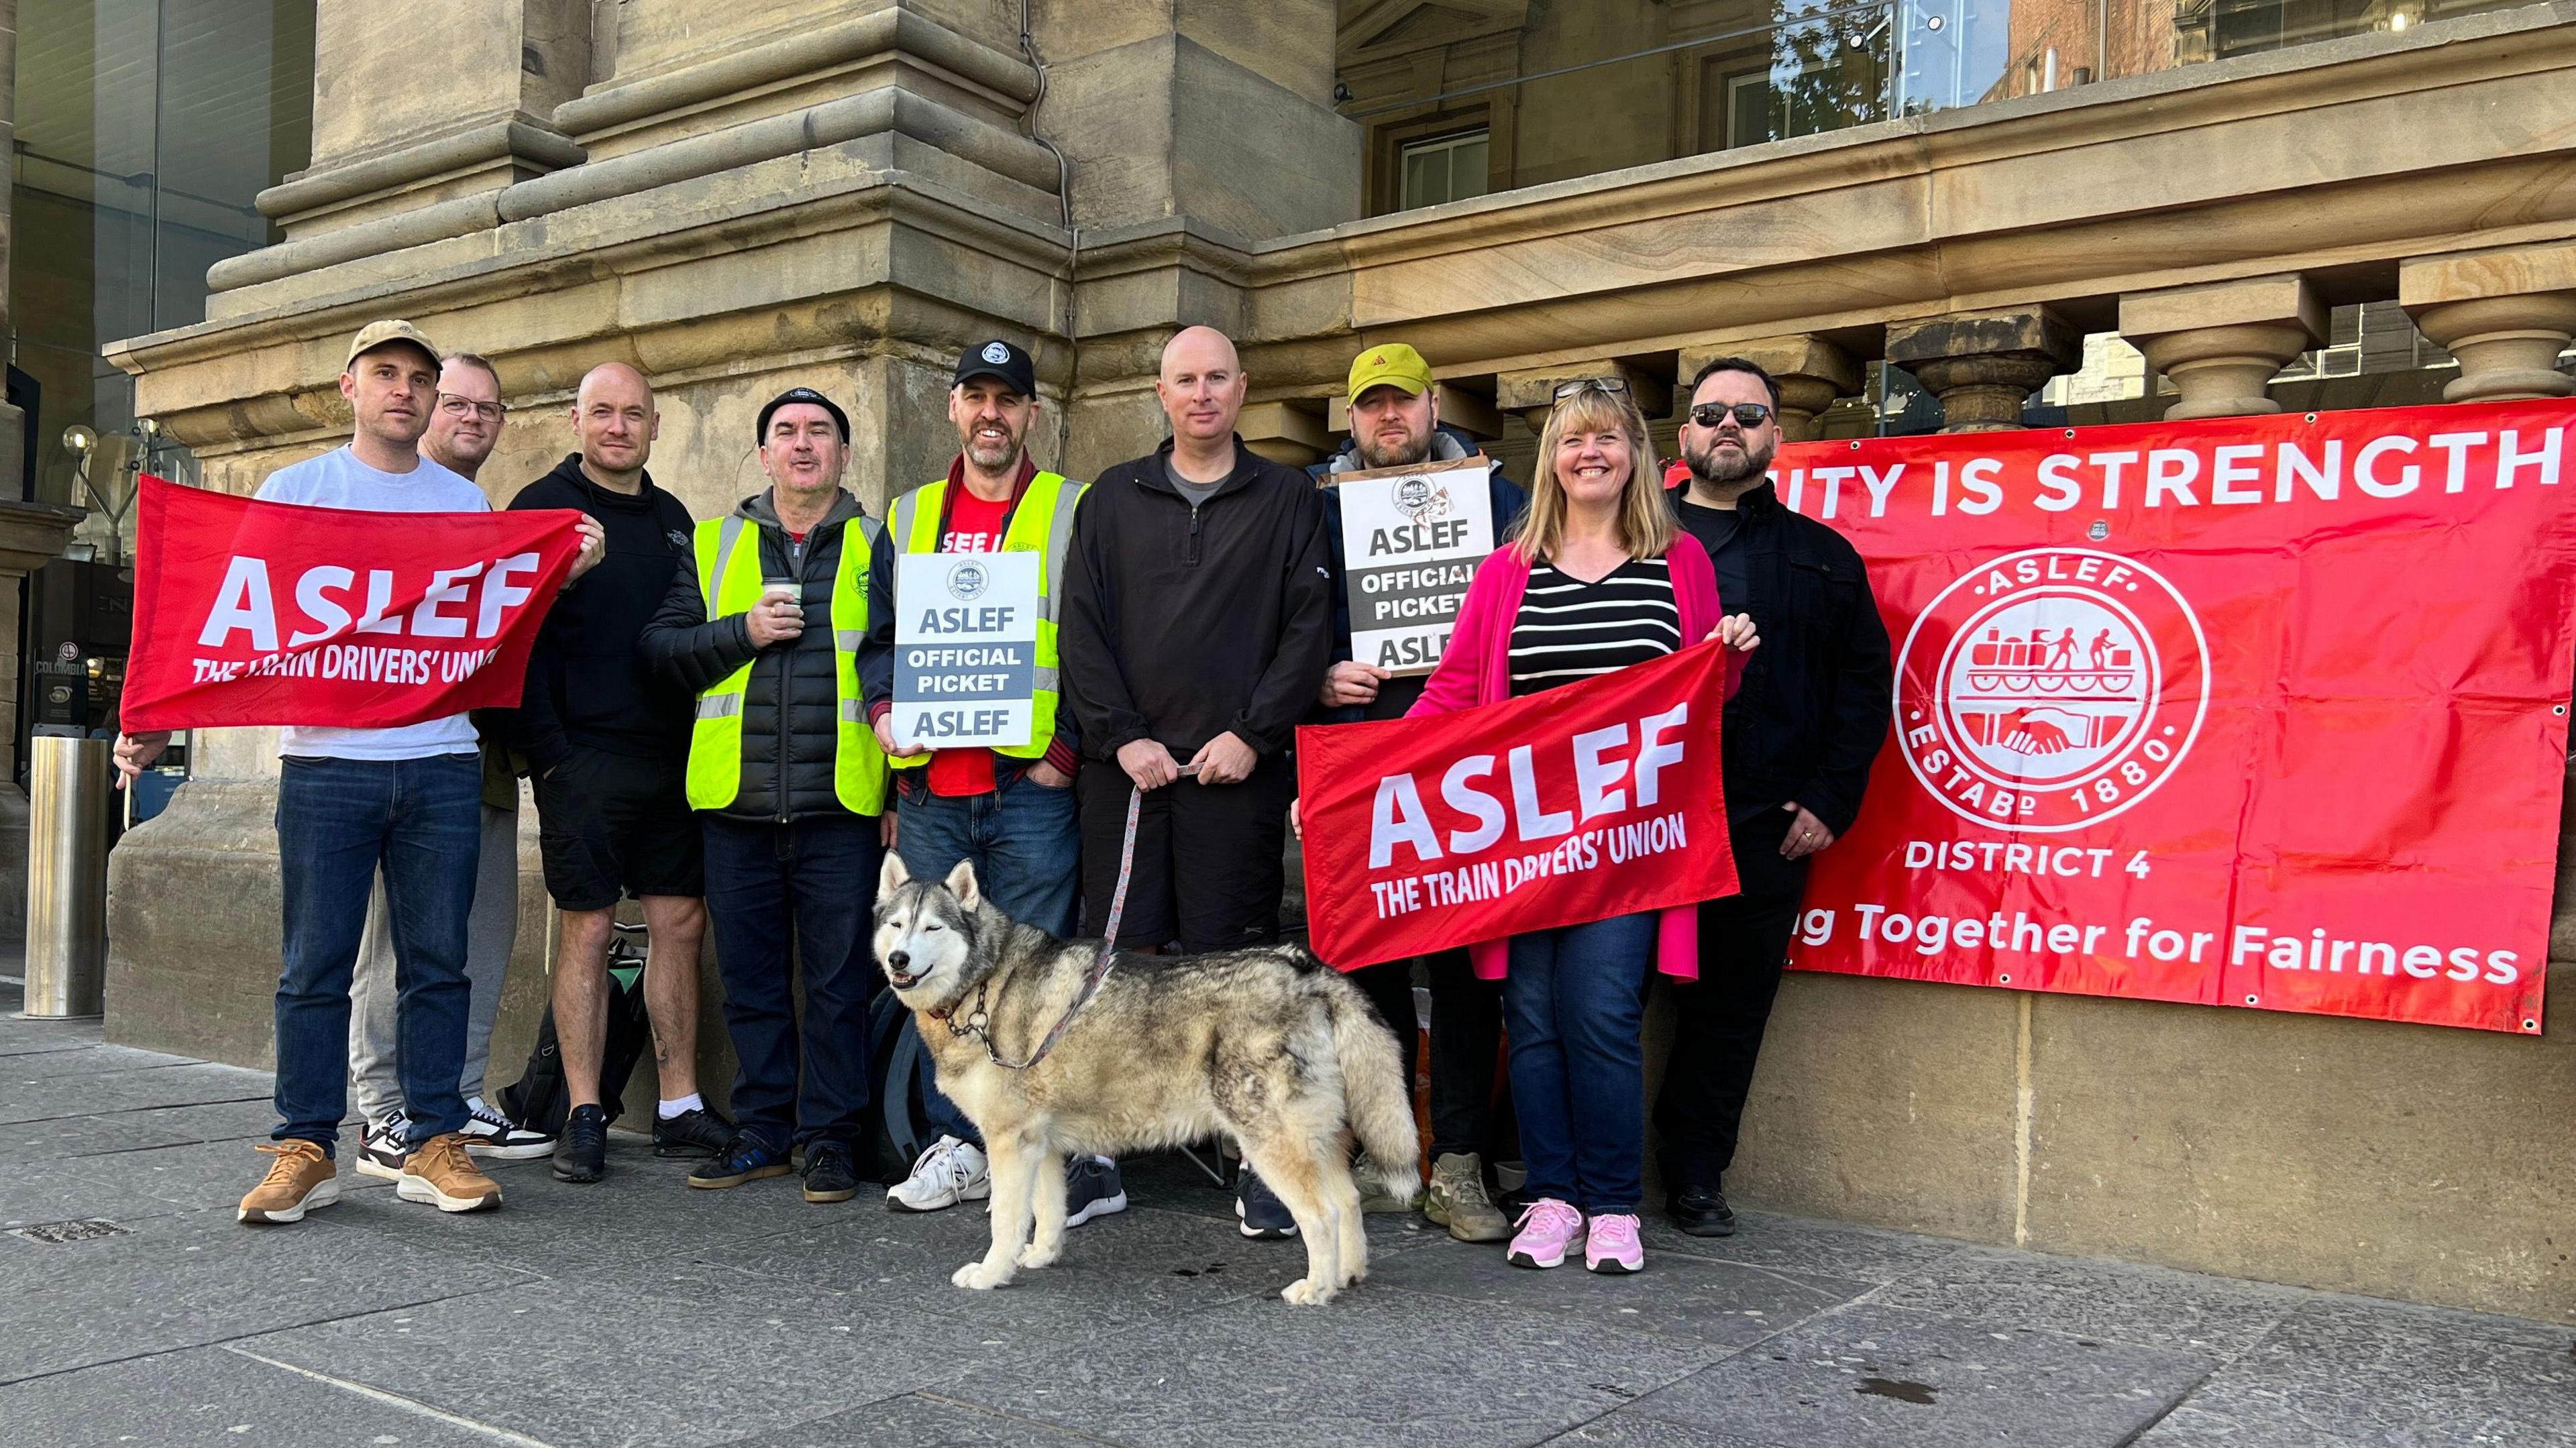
<point x="338" y="822"/>
<point x="1026" y="843"/>
<point x="1575" y="1007"/>
<point x="810" y="885"/>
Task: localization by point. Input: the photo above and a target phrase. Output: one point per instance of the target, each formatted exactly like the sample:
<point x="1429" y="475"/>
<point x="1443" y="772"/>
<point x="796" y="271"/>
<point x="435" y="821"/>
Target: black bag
<point x="538" y="1101"/>
<point x="898" y="1128"/>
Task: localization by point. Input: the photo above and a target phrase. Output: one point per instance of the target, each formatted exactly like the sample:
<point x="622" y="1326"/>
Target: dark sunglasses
<point x="1611" y="386"/>
<point x="1748" y="415"/>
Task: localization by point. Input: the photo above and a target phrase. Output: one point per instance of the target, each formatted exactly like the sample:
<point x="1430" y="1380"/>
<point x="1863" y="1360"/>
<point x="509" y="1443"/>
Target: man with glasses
<point x="607" y="741"/>
<point x="1800" y="734"/>
<point x="464" y="427"/>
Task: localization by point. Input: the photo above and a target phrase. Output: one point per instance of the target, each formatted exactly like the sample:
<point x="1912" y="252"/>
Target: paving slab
<point x="198" y="1278"/>
<point x="573" y="1363"/>
<point x="2350" y="1370"/>
<point x="61" y="1191"/>
<point x="2118" y="1301"/>
<point x="1801" y="1244"/>
<point x="1869" y="1375"/>
<point x="87" y="1057"/>
<point x="37" y="1141"/>
<point x="197" y="1176"/>
<point x="921" y="1419"/>
<point x="1725" y="1304"/>
<point x="100" y="1096"/>
<point x="1375" y="1366"/>
<point x="1628" y="1429"/>
<point x="210" y="1396"/>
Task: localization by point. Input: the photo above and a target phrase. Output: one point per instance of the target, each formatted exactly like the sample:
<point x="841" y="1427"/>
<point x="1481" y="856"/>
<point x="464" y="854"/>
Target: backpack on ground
<point x="538" y="1101"/>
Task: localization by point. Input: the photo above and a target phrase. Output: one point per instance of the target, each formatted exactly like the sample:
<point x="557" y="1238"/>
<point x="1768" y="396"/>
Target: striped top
<point x="1568" y="629"/>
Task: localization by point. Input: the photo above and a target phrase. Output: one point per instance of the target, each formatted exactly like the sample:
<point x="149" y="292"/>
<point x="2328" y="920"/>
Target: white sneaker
<point x="952" y="1171"/>
<point x="387" y="1142"/>
<point x="488" y="1133"/>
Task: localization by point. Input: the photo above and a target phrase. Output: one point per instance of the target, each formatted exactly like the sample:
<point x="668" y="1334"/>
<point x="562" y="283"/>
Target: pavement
<point x="640" y="1312"/>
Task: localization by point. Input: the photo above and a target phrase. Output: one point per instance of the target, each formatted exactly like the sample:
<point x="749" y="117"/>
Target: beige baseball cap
<point x="386" y="333"/>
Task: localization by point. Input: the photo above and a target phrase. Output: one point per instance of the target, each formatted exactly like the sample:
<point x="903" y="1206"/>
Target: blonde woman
<point x="1597" y="578"/>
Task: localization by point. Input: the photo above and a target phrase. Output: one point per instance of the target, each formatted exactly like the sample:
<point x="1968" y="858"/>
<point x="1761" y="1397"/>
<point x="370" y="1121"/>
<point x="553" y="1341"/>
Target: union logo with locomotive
<point x="2051" y="689"/>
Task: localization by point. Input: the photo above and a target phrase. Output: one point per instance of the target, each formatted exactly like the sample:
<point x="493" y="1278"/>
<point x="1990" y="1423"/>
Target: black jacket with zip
<point x="791" y="714"/>
<point x="1180" y="623"/>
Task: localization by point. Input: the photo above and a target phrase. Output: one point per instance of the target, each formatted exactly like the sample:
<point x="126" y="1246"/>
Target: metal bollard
<point x="68" y="784"/>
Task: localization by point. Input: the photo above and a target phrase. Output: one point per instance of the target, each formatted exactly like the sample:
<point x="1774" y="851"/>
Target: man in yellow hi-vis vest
<point x="762" y="624"/>
<point x="1008" y="808"/>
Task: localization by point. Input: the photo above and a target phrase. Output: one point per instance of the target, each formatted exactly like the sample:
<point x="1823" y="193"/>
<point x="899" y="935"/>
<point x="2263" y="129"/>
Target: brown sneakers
<point x="440" y="1172"/>
<point x="302" y="1177"/>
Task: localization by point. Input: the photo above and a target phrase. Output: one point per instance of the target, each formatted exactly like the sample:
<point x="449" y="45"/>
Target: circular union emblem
<point x="967" y="580"/>
<point x="68" y="652"/>
<point x="996" y="353"/>
<point x="2051" y="689"/>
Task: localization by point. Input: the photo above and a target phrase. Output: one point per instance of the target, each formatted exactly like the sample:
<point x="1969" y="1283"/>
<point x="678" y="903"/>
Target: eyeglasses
<point x="455" y="406"/>
<point x="1608" y="386"/>
<point x="1748" y="415"/>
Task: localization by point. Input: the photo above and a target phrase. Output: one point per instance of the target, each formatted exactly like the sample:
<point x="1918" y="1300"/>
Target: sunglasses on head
<point x="1748" y="415"/>
<point x="1609" y="386"/>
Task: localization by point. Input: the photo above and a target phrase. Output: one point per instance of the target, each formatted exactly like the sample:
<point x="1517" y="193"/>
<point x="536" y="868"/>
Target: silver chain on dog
<point x="978" y="1022"/>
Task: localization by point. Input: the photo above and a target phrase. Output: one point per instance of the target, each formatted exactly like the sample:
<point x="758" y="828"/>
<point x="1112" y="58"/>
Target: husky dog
<point x="1264" y="1045"/>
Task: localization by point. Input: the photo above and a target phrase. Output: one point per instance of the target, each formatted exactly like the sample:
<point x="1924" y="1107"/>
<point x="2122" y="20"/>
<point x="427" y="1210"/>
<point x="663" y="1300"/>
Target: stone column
<point x="1285" y="432"/>
<point x="30" y="534"/>
<point x="2222" y="343"/>
<point x="1532" y="394"/>
<point x="1985" y="365"/>
<point x="1813" y="375"/>
<point x="2506" y="314"/>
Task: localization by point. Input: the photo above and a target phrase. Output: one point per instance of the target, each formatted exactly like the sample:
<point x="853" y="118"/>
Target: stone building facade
<point x="735" y="197"/>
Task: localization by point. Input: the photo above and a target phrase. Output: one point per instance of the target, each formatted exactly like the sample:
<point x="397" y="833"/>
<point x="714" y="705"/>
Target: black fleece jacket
<point x="1180" y="623"/>
<point x="791" y="717"/>
<point x="588" y="686"/>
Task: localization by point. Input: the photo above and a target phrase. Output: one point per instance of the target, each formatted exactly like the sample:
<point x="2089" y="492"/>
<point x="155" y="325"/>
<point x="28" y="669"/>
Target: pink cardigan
<point x="1476" y="669"/>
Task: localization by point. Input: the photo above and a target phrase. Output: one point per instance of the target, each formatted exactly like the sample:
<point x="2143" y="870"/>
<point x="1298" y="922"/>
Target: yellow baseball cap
<point x="385" y="334"/>
<point x="1393" y="365"/>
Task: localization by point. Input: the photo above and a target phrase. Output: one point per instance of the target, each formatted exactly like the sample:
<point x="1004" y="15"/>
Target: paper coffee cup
<point x="786" y="588"/>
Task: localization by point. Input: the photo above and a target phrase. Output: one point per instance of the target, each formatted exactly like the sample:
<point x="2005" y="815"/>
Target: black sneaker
<point x="581" y="1155"/>
<point x="829" y="1177"/>
<point x="1263" y="1216"/>
<point x="745" y="1160"/>
<point x="1701" y="1211"/>
<point x="697" y="1132"/>
<point x="1091" y="1189"/>
<point x="386" y="1144"/>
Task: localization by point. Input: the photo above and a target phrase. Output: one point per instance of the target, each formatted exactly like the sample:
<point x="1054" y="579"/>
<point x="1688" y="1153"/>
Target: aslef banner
<point x="1597" y="799"/>
<point x="272" y="613"/>
<point x="2263" y="712"/>
<point x="965" y="648"/>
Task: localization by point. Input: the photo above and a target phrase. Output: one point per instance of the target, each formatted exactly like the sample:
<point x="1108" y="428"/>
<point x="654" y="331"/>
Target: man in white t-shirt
<point x="351" y="800"/>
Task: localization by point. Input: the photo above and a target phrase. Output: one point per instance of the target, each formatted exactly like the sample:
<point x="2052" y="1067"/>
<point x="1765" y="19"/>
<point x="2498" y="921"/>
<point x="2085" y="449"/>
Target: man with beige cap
<point x="408" y="799"/>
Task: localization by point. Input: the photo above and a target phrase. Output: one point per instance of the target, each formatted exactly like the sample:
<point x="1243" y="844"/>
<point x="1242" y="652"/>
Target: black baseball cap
<point x="998" y="358"/>
<point x="806" y="395"/>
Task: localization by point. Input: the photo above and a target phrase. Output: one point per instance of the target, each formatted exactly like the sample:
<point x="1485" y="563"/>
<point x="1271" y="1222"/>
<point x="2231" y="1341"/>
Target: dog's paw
<point x="976" y="1277"/>
<point x="1034" y="1255"/>
<point x="1304" y="1293"/>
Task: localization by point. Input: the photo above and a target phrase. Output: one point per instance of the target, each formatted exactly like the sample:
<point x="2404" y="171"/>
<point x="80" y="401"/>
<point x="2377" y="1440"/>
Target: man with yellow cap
<point x="1395" y="422"/>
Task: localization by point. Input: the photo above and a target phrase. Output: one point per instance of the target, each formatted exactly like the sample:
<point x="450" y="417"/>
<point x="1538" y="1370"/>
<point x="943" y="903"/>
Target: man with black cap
<point x="1008" y="808"/>
<point x="349" y="801"/>
<point x="762" y="624"/>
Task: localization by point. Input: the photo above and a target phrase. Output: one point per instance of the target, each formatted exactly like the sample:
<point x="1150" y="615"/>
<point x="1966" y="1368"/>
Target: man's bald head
<point x="1201" y="385"/>
<point x="614" y="419"/>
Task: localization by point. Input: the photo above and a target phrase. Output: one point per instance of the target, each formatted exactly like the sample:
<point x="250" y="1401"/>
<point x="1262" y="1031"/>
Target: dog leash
<point x="977" y="1021"/>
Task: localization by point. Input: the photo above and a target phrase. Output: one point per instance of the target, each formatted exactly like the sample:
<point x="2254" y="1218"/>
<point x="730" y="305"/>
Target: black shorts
<point x="1210" y="859"/>
<point x="612" y="823"/>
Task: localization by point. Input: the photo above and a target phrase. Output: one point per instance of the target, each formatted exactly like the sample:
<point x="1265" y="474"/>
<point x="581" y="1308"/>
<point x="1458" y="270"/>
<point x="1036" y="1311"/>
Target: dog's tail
<point x="1373" y="1085"/>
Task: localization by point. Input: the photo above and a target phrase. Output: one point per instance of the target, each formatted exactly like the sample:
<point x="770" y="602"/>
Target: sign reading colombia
<point x="2263" y="711"/>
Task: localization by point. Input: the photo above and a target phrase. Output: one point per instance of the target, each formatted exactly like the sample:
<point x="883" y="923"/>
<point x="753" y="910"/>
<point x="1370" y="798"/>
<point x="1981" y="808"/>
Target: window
<point x="1445" y="168"/>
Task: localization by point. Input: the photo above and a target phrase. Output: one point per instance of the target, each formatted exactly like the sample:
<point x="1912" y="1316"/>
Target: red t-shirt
<point x="974" y="526"/>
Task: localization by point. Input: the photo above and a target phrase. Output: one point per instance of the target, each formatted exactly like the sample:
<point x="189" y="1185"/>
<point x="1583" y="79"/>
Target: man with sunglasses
<point x="1800" y="735"/>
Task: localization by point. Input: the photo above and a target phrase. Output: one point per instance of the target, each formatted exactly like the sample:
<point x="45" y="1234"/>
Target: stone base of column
<point x="2222" y="343"/>
<point x="1985" y="365"/>
<point x="2505" y="313"/>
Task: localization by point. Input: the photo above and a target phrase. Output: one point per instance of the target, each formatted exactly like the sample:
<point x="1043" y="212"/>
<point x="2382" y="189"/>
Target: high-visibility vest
<point x="729" y="570"/>
<point x="1041" y="524"/>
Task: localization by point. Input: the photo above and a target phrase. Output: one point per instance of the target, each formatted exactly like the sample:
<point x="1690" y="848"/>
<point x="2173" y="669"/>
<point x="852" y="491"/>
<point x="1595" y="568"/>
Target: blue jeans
<point x="1575" y="1006"/>
<point x="1026" y="843"/>
<point x="810" y="885"/>
<point x="338" y="822"/>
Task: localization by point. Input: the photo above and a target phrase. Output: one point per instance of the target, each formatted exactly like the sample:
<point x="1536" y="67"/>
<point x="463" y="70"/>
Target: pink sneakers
<point x="1613" y="1245"/>
<point x="1548" y="1230"/>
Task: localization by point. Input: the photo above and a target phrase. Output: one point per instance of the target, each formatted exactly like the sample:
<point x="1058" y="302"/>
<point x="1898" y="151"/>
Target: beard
<point x="1741" y="470"/>
<point x="994" y="457"/>
<point x="1395" y="455"/>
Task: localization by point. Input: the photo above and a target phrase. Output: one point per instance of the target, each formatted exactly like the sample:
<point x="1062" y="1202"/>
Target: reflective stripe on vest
<point x="730" y="582"/>
<point x="1041" y="524"/>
